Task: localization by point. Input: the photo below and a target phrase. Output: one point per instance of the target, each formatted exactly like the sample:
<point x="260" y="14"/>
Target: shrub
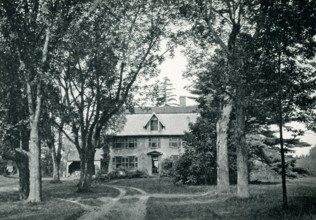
<point x="198" y="164"/>
<point x="168" y="168"/>
<point x="191" y="169"/>
<point x="123" y="173"/>
<point x="102" y="176"/>
<point x="137" y="174"/>
<point x="118" y="174"/>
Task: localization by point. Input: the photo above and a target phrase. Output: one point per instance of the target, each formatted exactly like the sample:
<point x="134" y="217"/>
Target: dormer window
<point x="154" y="124"/>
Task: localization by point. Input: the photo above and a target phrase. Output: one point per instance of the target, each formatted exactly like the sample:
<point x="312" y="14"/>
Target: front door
<point x="155" y="165"/>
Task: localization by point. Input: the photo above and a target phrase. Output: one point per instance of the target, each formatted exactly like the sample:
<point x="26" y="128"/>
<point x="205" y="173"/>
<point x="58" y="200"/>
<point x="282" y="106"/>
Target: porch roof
<point x="154" y="153"/>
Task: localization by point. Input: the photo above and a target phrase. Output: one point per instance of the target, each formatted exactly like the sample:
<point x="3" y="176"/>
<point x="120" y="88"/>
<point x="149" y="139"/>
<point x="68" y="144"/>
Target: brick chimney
<point x="183" y="101"/>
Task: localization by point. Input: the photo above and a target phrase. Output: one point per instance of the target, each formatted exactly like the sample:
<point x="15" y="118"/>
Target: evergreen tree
<point x="166" y="97"/>
<point x="283" y="82"/>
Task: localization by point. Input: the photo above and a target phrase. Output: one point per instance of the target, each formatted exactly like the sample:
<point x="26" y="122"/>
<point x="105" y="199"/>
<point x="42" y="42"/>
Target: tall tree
<point x="20" y="28"/>
<point x="283" y="45"/>
<point x="98" y="67"/>
<point x="166" y="96"/>
<point x="28" y="27"/>
<point x="223" y="23"/>
<point x="14" y="132"/>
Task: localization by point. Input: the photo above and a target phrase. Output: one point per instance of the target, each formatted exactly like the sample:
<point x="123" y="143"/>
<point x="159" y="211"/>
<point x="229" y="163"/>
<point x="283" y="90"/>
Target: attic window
<point x="154" y="124"/>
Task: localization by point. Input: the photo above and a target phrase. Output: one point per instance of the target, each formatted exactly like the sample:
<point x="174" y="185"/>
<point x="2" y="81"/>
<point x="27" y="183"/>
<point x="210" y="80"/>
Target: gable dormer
<point x="154" y="124"/>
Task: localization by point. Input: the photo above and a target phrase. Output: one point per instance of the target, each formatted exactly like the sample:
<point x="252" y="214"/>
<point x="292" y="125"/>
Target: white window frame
<point x="175" y="142"/>
<point x="129" y="162"/>
<point x="125" y="143"/>
<point x="154" y="119"/>
<point x="154" y="140"/>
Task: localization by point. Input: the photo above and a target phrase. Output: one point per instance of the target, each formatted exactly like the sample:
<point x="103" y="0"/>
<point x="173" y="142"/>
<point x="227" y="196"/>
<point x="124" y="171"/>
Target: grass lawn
<point x="161" y="185"/>
<point x="265" y="201"/>
<point x="53" y="205"/>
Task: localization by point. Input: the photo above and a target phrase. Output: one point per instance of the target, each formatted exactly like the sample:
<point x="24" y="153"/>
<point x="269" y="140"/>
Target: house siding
<point x="142" y="150"/>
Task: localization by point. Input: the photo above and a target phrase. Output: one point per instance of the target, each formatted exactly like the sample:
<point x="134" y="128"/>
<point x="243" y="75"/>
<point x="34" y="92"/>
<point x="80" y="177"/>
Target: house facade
<point x="149" y="136"/>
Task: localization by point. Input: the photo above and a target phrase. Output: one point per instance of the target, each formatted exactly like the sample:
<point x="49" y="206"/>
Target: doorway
<point x="155" y="165"/>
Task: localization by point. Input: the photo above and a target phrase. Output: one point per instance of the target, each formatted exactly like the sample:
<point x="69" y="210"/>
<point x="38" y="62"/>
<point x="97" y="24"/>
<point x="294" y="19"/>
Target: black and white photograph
<point x="157" y="109"/>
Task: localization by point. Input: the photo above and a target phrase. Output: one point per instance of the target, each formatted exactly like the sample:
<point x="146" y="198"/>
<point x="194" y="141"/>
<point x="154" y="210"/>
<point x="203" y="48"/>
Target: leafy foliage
<point x="130" y="174"/>
<point x="198" y="164"/>
<point x="168" y="167"/>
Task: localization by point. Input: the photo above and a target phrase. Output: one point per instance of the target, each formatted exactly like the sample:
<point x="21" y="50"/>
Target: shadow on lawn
<point x="300" y="207"/>
<point x="258" y="182"/>
<point x="265" y="203"/>
<point x="52" y="206"/>
<point x="68" y="189"/>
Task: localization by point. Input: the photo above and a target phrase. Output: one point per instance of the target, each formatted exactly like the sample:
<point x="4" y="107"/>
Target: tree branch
<point x="61" y="128"/>
<point x="20" y="150"/>
<point x="217" y="38"/>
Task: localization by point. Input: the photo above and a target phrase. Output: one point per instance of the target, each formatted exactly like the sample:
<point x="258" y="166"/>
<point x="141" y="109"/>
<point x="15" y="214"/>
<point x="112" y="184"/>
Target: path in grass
<point x="121" y="207"/>
<point x="131" y="203"/>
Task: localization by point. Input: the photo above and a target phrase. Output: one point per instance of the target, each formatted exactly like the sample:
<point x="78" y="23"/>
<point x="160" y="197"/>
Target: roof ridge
<point x="164" y="110"/>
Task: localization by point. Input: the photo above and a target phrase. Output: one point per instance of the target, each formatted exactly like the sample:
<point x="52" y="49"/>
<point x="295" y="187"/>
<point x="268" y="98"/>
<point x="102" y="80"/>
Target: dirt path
<point x="133" y="207"/>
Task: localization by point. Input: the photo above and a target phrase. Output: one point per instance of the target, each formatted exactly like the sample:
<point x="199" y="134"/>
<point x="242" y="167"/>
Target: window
<point x="154" y="142"/>
<point x="117" y="162"/>
<point x="174" y="142"/>
<point x="131" y="143"/>
<point x="124" y="162"/>
<point x="132" y="162"/>
<point x="121" y="143"/>
<point x="154" y="124"/>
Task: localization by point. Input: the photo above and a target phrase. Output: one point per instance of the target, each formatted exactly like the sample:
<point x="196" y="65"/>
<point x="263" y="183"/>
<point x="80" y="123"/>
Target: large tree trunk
<point x="242" y="154"/>
<point x="86" y="169"/>
<point x="222" y="127"/>
<point x="22" y="163"/>
<point x="34" y="165"/>
<point x="56" y="165"/>
<point x="56" y="156"/>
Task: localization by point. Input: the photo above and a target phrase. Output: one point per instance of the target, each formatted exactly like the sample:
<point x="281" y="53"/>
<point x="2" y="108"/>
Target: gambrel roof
<point x="173" y="124"/>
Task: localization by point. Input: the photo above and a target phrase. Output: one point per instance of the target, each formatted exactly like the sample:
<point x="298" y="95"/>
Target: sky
<point x="308" y="137"/>
<point x="173" y="68"/>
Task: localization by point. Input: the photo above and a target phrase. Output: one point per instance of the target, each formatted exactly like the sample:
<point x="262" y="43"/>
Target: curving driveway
<point x="133" y="207"/>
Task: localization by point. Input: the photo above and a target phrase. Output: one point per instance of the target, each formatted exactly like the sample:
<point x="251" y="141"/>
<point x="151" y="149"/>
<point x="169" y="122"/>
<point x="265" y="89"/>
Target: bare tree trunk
<point x="22" y="163"/>
<point x="222" y="147"/>
<point x="34" y="165"/>
<point x="24" y="182"/>
<point x="56" y="153"/>
<point x="34" y="152"/>
<point x="284" y="193"/>
<point x="86" y="169"/>
<point x="56" y="165"/>
<point x="242" y="154"/>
